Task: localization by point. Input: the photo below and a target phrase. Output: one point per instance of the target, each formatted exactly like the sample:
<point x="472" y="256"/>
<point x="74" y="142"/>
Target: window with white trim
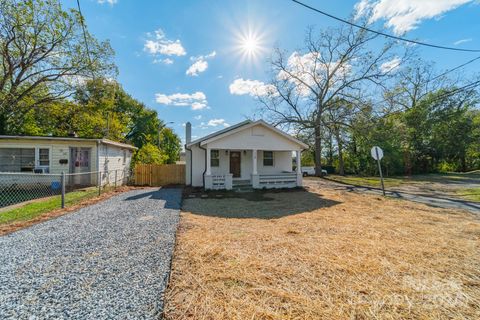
<point x="214" y="158"/>
<point x="44" y="157"/>
<point x="268" y="158"/>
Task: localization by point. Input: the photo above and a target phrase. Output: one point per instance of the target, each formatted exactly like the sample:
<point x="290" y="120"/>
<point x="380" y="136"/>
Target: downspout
<point x="191" y="166"/>
<point x="98" y="159"/>
<point x="204" y="171"/>
<point x="188" y="139"/>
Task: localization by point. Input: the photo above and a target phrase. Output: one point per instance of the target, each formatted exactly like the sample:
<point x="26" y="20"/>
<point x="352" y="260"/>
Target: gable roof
<point x="242" y="126"/>
<point x="211" y="135"/>
<point x="51" y="138"/>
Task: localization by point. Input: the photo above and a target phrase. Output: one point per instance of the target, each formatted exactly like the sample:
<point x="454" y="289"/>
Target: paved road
<point x="106" y="261"/>
<point x="434" y="201"/>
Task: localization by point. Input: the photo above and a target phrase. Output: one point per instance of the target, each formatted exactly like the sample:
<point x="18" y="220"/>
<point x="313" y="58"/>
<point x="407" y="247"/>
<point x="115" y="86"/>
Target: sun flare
<point x="250" y="45"/>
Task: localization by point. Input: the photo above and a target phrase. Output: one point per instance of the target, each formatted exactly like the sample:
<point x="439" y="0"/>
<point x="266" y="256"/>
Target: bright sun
<point x="250" y="45"/>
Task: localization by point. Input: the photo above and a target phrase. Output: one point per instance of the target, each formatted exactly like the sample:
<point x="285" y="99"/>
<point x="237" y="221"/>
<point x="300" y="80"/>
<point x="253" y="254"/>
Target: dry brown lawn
<point x="323" y="254"/>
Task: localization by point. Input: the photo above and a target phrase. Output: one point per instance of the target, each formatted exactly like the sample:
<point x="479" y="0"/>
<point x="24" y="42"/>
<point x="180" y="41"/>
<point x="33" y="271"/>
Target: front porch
<point x="258" y="169"/>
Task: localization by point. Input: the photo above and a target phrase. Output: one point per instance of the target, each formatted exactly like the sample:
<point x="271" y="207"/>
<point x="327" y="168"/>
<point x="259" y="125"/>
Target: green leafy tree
<point x="149" y="154"/>
<point x="170" y="145"/>
<point x="43" y="58"/>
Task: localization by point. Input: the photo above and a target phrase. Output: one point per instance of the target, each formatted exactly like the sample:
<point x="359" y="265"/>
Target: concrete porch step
<point x="243" y="189"/>
<point x="242" y="186"/>
<point x="241" y="183"/>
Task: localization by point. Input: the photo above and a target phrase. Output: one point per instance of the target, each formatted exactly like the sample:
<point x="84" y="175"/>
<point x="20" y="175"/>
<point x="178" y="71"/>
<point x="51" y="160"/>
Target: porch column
<point x="254" y="160"/>
<point x="255" y="176"/>
<point x="209" y="169"/>
<point x="299" y="168"/>
<point x="299" y="161"/>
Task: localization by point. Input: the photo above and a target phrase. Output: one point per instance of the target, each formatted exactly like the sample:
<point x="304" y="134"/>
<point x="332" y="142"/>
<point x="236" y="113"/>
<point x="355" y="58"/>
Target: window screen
<point x="17" y="159"/>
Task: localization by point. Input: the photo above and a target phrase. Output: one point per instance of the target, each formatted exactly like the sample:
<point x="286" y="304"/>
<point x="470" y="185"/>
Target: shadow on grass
<point x="169" y="198"/>
<point x="260" y="204"/>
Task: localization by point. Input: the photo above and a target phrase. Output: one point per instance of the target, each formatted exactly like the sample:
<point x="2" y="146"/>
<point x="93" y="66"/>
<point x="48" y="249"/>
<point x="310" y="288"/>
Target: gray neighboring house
<point x="54" y="155"/>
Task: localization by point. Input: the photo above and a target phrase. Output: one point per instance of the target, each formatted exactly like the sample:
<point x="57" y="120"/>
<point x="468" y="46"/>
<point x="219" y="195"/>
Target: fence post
<point x="63" y="189"/>
<point x="99" y="183"/>
<point x="115" y="179"/>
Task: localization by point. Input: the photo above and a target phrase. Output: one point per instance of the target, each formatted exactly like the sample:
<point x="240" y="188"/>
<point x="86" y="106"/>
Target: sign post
<point x="377" y="154"/>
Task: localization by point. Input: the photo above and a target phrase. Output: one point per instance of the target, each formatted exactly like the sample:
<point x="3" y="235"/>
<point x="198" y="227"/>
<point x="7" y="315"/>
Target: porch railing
<point x="278" y="180"/>
<point x="218" y="181"/>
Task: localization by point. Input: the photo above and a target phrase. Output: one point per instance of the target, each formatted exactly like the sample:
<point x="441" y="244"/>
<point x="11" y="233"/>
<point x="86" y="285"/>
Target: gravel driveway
<point x="107" y="260"/>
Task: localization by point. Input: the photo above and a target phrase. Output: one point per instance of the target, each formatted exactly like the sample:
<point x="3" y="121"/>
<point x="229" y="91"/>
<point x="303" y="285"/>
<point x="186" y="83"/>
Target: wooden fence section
<point x="156" y="175"/>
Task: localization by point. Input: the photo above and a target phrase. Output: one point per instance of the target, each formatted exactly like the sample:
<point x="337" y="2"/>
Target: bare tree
<point x="44" y="55"/>
<point x="335" y="64"/>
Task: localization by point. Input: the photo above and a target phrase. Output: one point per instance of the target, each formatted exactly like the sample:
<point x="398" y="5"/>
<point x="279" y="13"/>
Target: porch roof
<point x="70" y="139"/>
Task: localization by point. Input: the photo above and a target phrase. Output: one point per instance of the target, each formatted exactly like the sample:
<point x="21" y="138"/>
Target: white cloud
<point x="217" y="122"/>
<point x="198" y="117"/>
<point x="254" y="88"/>
<point x="110" y="2"/>
<point x="204" y="57"/>
<point x="390" y="65"/>
<point x="200" y="64"/>
<point x="456" y="43"/>
<point x="159" y="45"/>
<point x="405" y="15"/>
<point x="196" y="101"/>
<point x="197" y="67"/>
<point x="166" y="61"/>
<point x="169" y="49"/>
<point x="199" y="105"/>
<point x="305" y="70"/>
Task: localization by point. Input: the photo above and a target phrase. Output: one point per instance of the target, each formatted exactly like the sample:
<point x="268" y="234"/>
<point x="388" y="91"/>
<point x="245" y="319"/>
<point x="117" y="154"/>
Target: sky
<point x="203" y="61"/>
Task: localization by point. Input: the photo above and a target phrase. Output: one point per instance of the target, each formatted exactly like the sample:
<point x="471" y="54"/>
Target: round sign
<point x="377" y="153"/>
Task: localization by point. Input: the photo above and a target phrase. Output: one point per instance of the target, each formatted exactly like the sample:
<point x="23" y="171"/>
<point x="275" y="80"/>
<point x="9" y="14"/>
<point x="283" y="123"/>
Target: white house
<point x="251" y="153"/>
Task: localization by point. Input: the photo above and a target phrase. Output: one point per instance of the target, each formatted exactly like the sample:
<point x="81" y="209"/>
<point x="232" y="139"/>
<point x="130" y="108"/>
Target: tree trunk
<point x="341" y="166"/>
<point x="318" y="150"/>
<point x="3" y="124"/>
<point x="330" y="149"/>
<point x="357" y="164"/>
<point x="463" y="162"/>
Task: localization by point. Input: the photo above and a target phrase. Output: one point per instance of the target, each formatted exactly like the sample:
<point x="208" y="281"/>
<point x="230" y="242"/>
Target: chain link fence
<point x="20" y="187"/>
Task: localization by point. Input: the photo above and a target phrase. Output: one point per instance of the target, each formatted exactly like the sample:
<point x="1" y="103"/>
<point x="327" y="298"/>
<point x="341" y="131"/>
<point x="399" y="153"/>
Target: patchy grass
<point x="368" y="181"/>
<point x="323" y="254"/>
<point x="445" y="178"/>
<point x="22" y="216"/>
<point x="472" y="194"/>
<point x="36" y="208"/>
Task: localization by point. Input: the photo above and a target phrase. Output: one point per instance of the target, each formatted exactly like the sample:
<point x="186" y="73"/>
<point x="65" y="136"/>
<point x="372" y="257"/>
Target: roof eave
<point x="251" y="124"/>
